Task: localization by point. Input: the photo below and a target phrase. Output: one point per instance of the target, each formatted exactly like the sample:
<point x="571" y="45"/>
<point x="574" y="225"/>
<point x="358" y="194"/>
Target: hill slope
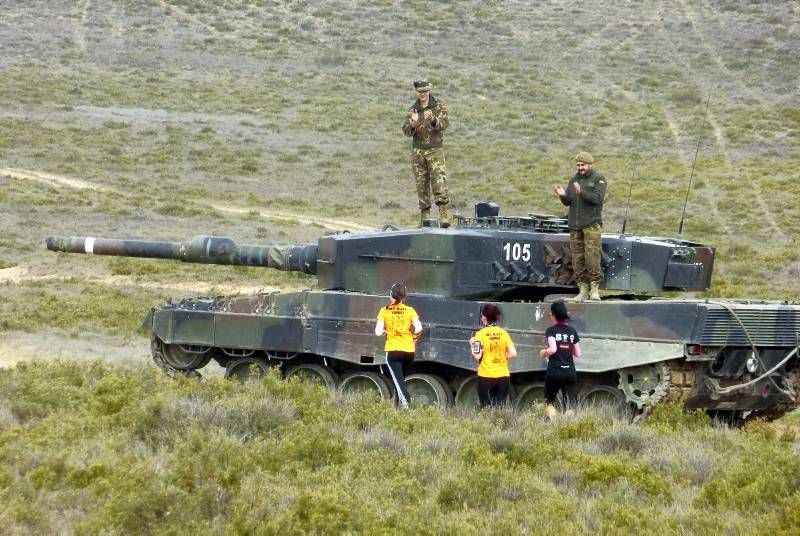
<point x="274" y="121"/>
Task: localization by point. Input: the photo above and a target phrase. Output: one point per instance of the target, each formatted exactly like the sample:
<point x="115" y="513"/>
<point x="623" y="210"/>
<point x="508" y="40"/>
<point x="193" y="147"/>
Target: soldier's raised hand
<point x="559" y="190"/>
<point x="414" y="116"/>
<point x="428" y="115"/>
<point x="578" y="188"/>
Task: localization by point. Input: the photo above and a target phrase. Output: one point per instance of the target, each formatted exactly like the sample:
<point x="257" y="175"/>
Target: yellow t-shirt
<point x="494" y="341"/>
<point x="397" y="321"/>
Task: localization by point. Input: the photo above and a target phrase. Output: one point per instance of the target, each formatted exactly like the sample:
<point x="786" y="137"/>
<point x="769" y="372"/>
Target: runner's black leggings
<point x="400" y="367"/>
<point x="565" y="382"/>
<point x="493" y="391"/>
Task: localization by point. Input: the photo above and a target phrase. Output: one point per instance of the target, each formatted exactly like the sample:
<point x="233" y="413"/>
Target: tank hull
<point x="650" y="350"/>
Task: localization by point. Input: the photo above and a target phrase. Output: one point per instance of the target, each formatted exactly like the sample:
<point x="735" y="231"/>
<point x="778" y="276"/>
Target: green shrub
<point x="766" y="474"/>
<point x="118" y="448"/>
<point x="629" y="440"/>
<point x="605" y="470"/>
<point x="783" y="519"/>
<point x="668" y="418"/>
<point x="620" y="515"/>
<point x="583" y="427"/>
<point x="687" y="94"/>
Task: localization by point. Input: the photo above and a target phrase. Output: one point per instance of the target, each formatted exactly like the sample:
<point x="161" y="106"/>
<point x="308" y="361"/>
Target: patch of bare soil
<point x="16" y="346"/>
<point x="52" y="180"/>
<point x="21" y="274"/>
<point x="15" y="274"/>
<point x="327" y="223"/>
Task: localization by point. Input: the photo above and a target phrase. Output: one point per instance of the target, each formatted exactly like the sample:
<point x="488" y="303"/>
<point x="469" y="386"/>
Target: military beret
<point x="584" y="157"/>
<point x="422" y="85"/>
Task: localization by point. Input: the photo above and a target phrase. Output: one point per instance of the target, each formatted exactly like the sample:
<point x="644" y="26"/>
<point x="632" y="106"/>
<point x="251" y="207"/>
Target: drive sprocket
<point x="645" y="385"/>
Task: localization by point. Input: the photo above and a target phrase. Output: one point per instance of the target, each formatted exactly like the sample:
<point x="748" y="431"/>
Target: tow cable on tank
<point x="713" y="385"/>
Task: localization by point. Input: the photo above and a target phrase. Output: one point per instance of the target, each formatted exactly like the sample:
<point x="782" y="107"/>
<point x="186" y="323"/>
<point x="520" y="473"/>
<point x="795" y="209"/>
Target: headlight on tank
<point x="752" y="364"/>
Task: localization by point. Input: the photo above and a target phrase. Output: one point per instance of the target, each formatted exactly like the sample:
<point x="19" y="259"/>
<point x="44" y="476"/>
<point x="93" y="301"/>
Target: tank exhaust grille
<point x="534" y="222"/>
<point x="766" y="325"/>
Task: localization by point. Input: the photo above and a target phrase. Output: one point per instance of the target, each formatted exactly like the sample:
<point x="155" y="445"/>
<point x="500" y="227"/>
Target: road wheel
<point x="467" y="392"/>
<point x="602" y="396"/>
<point x="314" y="373"/>
<point x="366" y="382"/>
<point x="428" y="390"/>
<point x="529" y="395"/>
<point x="247" y="368"/>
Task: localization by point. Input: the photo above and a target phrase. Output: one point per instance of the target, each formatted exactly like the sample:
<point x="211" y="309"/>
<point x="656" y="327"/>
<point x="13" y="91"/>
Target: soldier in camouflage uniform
<point x="426" y="122"/>
<point x="584" y="197"/>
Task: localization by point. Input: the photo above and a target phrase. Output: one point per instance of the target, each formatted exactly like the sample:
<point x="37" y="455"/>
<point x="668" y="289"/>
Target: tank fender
<point x="147" y="321"/>
<point x="612" y="354"/>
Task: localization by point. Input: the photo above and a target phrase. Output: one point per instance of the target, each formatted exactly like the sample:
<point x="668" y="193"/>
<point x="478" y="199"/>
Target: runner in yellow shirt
<point x="492" y="347"/>
<point x="400" y="324"/>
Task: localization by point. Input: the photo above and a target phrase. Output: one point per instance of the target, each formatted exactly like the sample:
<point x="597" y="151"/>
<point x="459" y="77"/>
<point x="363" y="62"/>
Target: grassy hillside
<point x="89" y="449"/>
<point x="278" y="122"/>
<point x="166" y="116"/>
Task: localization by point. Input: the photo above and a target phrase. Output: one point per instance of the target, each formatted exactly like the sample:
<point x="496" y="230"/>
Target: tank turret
<point x="482" y="257"/>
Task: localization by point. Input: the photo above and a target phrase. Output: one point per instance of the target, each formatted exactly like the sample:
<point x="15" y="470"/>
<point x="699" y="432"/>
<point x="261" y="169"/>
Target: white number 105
<point x="517" y="251"/>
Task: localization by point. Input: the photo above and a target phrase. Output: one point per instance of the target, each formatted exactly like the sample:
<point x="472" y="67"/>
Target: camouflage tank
<point x="732" y="357"/>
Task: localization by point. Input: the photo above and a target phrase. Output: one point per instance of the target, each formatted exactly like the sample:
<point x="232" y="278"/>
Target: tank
<point x="733" y="357"/>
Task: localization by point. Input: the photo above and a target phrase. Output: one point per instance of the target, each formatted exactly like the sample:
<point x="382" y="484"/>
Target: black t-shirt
<point x="566" y="337"/>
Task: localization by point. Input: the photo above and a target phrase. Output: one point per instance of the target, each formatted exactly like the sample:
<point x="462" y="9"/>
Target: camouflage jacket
<point x="585" y="209"/>
<point x="427" y="134"/>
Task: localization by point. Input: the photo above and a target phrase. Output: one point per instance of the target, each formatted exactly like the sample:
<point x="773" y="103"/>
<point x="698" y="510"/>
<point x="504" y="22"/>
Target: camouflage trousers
<point x="586" y="245"/>
<point x="430" y="175"/>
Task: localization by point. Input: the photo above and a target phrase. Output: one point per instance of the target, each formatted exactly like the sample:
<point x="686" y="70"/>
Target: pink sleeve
<point x="576" y="349"/>
<point x="551" y="345"/>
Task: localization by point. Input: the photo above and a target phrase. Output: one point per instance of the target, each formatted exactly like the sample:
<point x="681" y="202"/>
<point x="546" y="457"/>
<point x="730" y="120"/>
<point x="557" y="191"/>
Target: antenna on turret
<point x="689" y="187"/>
<point x="630" y="189"/>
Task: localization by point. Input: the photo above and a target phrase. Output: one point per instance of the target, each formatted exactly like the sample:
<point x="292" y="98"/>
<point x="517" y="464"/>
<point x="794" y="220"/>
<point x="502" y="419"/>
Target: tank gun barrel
<point x="199" y="250"/>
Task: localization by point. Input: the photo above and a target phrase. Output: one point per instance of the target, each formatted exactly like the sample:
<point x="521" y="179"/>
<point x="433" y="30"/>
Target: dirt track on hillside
<point x="78" y="184"/>
<point x="18" y="346"/>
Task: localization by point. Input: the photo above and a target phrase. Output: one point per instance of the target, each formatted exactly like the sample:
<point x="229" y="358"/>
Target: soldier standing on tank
<point x="584" y="197"/>
<point x="401" y="326"/>
<point x="426" y="122"/>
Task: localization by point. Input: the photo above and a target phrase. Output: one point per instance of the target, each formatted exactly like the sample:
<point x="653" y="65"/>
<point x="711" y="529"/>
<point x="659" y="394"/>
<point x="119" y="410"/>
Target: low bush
<point x="87" y="447"/>
<point x="669" y="418"/>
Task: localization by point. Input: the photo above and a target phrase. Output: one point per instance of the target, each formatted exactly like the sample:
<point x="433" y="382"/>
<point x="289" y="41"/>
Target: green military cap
<point x="422" y="85"/>
<point x="584" y="157"/>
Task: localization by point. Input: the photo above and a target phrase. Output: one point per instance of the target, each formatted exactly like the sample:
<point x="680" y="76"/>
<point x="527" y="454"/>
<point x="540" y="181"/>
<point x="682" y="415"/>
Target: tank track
<point x="682" y="380"/>
<point x="785" y="405"/>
